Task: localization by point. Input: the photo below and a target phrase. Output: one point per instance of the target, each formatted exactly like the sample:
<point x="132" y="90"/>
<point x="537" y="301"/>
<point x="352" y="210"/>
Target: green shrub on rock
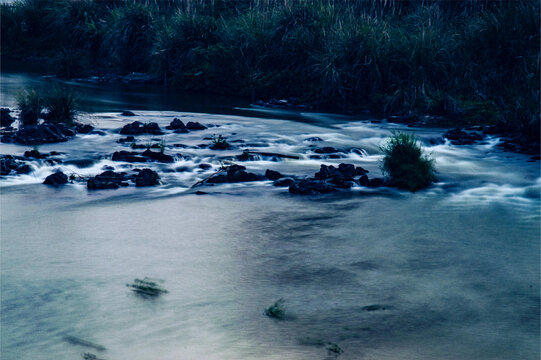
<point x="406" y="164"/>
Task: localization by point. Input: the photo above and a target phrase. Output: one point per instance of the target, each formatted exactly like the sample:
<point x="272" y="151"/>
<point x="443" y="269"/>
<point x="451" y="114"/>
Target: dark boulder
<point x="273" y="175"/>
<point x="158" y="156"/>
<point x="459" y="137"/>
<point x="56" y="179"/>
<point x="107" y="180"/>
<point x="5" y="118"/>
<point x="35" y="154"/>
<point x="284" y="182"/>
<point x="83" y="128"/>
<point x="147" y="177"/>
<point x="176" y="124"/>
<point x="205" y="166"/>
<point x="138" y="128"/>
<point x="37" y="134"/>
<point x="364" y="181"/>
<point x="127" y="113"/>
<point x="128" y="156"/>
<point x="153" y="128"/>
<point x="234" y="173"/>
<point x="195" y="126"/>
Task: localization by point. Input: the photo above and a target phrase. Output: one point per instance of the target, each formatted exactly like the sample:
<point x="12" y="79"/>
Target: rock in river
<point x="147" y="177"/>
<point x="138" y="128"/>
<point x="39" y="134"/>
<point x="56" y="179"/>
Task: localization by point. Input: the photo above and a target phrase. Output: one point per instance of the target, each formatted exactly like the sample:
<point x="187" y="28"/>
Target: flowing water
<point x="451" y="272"/>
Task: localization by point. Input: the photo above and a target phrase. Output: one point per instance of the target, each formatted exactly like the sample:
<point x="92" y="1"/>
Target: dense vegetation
<point x="406" y="164"/>
<point x="474" y="62"/>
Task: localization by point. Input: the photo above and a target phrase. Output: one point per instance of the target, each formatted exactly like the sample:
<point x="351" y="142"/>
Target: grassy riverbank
<point x="471" y="62"/>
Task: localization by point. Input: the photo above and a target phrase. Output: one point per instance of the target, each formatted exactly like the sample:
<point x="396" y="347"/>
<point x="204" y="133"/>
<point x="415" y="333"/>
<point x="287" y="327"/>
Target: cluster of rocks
<point x="139" y="128"/>
<point x="10" y="164"/>
<point x="145" y="156"/>
<point x="44" y="133"/>
<point x="109" y="179"/>
<point x="460" y="137"/>
<point x="179" y="127"/>
<point x="330" y="179"/>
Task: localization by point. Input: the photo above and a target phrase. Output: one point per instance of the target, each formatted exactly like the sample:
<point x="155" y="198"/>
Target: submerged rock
<point x="147" y="287"/>
<point x="56" y="179"/>
<point x="276" y="310"/>
<point x="127" y="113"/>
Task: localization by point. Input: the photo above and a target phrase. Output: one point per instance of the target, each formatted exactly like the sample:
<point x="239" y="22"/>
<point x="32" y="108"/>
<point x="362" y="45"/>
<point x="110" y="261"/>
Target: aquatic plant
<point x="219" y="143"/>
<point x="406" y="164"/>
<point x="30" y="102"/>
<point x="61" y="104"/>
<point x="276" y="310"/>
<point x="162" y="146"/>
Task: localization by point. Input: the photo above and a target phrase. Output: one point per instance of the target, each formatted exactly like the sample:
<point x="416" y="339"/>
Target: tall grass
<point x="407" y="166"/>
<point x="474" y="61"/>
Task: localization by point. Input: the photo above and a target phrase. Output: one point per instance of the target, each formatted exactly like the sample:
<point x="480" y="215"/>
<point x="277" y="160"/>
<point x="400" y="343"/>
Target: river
<point x="450" y="272"/>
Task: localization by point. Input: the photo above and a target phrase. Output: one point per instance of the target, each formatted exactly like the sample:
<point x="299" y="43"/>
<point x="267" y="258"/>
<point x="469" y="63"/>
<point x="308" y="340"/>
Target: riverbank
<point x="466" y="63"/>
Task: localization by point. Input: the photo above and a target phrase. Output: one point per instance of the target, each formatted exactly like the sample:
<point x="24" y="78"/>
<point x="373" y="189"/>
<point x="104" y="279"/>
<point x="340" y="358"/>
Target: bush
<point x="30" y="102"/>
<point x="406" y="164"/>
<point x="61" y="104"/>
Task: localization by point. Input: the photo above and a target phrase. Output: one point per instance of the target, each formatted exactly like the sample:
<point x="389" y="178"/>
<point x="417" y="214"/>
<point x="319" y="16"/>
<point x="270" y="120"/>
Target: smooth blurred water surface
<point x="453" y="269"/>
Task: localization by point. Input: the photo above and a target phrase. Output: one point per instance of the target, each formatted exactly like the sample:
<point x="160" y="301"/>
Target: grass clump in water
<point x="406" y="164"/>
<point x="219" y="143"/>
<point x="61" y="104"/>
<point x="276" y="310"/>
<point x="30" y="102"/>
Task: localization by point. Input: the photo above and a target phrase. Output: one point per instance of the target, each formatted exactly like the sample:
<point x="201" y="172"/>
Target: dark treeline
<point x="476" y="62"/>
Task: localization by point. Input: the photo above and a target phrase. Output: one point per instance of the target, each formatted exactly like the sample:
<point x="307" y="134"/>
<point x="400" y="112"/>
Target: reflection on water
<point x="447" y="273"/>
